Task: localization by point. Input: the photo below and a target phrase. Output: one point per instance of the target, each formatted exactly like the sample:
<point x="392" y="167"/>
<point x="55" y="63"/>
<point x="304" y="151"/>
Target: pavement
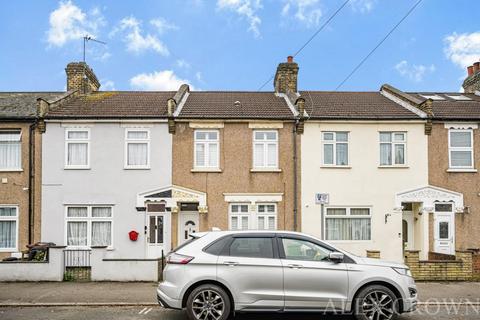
<point x="137" y="300"/>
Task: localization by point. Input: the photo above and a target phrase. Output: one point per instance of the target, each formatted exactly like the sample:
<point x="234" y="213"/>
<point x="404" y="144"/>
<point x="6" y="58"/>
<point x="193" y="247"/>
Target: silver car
<point x="218" y="273"/>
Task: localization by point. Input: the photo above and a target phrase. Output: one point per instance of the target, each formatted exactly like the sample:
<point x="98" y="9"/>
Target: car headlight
<point x="403" y="271"/>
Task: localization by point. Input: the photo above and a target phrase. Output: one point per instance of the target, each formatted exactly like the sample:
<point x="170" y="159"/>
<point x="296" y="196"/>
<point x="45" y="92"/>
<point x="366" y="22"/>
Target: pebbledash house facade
<point x="138" y="172"/>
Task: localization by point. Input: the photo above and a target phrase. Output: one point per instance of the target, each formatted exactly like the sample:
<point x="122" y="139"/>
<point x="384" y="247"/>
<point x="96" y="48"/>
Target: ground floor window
<point x="348" y="224"/>
<point x="263" y="217"/>
<point x="8" y="228"/>
<point x="89" y="226"/>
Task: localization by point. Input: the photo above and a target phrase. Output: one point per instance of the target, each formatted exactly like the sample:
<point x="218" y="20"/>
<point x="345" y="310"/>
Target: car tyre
<point x="376" y="302"/>
<point x="208" y="302"/>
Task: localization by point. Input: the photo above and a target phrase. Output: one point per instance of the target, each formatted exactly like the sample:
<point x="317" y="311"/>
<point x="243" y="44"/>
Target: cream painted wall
<point x="363" y="183"/>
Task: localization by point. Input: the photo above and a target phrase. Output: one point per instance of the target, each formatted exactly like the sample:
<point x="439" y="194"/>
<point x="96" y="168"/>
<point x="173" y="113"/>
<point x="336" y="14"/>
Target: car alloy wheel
<point x="378" y="305"/>
<point x="208" y="305"/>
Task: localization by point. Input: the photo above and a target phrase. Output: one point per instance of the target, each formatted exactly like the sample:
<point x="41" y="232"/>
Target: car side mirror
<point x="336" y="256"/>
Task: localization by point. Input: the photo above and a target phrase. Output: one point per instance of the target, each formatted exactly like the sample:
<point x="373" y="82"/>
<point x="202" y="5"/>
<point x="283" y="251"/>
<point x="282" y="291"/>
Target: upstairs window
<point x="392" y="148"/>
<point x="265" y="149"/>
<point x="335" y="148"/>
<point x="10" y="150"/>
<point x="77" y="148"/>
<point x="460" y="148"/>
<point x="137" y="149"/>
<point x="206" y="149"/>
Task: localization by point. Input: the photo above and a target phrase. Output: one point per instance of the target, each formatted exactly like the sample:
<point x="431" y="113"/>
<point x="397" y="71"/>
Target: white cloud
<point x="413" y="72"/>
<point x="305" y="11"/>
<point x="181" y="63"/>
<point x="136" y="41"/>
<point x="199" y="76"/>
<point x="246" y="9"/>
<point x="68" y="22"/>
<point x="463" y="49"/>
<point x="107" y="85"/>
<point x="158" y="81"/>
<point x="162" y="25"/>
<point x="364" y="6"/>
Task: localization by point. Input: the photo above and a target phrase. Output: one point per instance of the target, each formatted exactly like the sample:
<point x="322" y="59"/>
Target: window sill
<point x="349" y="241"/>
<point x="206" y="170"/>
<point x="136" y="168"/>
<point x="394" y="167"/>
<point x="335" y="167"/>
<point x="11" y="170"/>
<point x="76" y="168"/>
<point x="462" y="170"/>
<point x="12" y="250"/>
<point x="265" y="170"/>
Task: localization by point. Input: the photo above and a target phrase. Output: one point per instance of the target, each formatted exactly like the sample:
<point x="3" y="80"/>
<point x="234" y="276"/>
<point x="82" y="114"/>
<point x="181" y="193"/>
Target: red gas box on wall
<point x="133" y="235"/>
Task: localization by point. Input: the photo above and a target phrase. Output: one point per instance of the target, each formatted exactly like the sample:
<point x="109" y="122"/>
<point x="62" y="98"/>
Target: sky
<point x="237" y="44"/>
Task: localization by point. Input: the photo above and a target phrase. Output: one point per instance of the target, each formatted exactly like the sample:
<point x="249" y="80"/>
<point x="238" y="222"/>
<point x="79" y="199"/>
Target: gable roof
<point x="451" y="109"/>
<point x="22" y="105"/>
<point x="115" y="104"/>
<point x="353" y="106"/>
<point x="222" y="104"/>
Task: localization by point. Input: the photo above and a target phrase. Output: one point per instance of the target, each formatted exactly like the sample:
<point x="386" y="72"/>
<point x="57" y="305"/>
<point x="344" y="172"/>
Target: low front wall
<point x="440" y="270"/>
<point x="104" y="269"/>
<point x="51" y="270"/>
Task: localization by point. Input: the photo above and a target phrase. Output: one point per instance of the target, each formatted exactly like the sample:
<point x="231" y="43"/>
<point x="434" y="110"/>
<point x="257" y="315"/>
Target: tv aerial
<point x="89" y="38"/>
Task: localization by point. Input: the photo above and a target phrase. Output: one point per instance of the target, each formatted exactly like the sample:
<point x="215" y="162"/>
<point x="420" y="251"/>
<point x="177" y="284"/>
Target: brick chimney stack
<point x="285" y="80"/>
<point x="81" y="77"/>
<point x="472" y="82"/>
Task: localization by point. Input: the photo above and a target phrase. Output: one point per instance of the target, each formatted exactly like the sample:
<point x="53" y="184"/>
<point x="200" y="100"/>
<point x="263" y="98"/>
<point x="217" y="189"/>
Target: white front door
<point x="156" y="240"/>
<point x="187" y="224"/>
<point x="444" y="228"/>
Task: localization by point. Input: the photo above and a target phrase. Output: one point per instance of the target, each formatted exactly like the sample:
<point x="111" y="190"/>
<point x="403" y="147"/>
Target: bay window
<point x="77" y="148"/>
<point x="206" y="151"/>
<point x="265" y="149"/>
<point x="8" y="228"/>
<point x="393" y="148"/>
<point x="348" y="224"/>
<point x="137" y="148"/>
<point x="335" y="148"/>
<point x="89" y="226"/>
<point x="10" y="150"/>
<point x="460" y="148"/>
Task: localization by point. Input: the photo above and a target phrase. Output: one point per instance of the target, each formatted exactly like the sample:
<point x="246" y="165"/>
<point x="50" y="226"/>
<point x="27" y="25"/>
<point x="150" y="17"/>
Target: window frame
<point x="88" y="219"/>
<point x="266" y="215"/>
<point x="239" y="215"/>
<point x="226" y="249"/>
<point x="137" y="141"/>
<point x="347" y="215"/>
<point x="20" y="167"/>
<point x="206" y="144"/>
<point x="265" y="143"/>
<point x="393" y="143"/>
<point x="15" y="219"/>
<point x="77" y="141"/>
<point x="470" y="149"/>
<point x="334" y="143"/>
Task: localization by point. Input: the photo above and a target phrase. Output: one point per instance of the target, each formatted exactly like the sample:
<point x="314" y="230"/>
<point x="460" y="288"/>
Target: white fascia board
<point x="404" y="104"/>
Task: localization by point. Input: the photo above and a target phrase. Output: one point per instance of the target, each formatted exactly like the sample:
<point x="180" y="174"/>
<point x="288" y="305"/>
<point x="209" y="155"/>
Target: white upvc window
<point x="267" y="216"/>
<point x="206" y="153"/>
<point x="265" y="149"/>
<point x="393" y="148"/>
<point x="87" y="226"/>
<point x="348" y="224"/>
<point x="8" y="228"/>
<point x="10" y="150"/>
<point x="460" y="148"/>
<point x="335" y="148"/>
<point x="137" y="148"/>
<point x="77" y="148"/>
<point x="239" y="216"/>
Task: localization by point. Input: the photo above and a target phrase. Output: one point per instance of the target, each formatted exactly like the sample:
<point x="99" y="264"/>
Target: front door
<point x="187" y="224"/>
<point x="444" y="228"/>
<point x="311" y="281"/>
<point x="407" y="230"/>
<point x="155" y="235"/>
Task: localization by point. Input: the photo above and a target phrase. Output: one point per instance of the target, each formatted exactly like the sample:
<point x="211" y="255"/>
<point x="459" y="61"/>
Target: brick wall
<point x="440" y="270"/>
<point x="476" y="263"/>
<point x="375" y="254"/>
<point x="440" y="256"/>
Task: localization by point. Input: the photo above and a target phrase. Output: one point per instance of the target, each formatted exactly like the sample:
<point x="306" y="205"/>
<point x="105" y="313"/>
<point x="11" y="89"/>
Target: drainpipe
<point x="31" y="181"/>
<point x="295" y="198"/>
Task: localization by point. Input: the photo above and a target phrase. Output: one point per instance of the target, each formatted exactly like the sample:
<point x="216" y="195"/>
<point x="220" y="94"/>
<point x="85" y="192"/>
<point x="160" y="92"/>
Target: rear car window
<point x="251" y="247"/>
<point x="186" y="243"/>
<point x="216" y="247"/>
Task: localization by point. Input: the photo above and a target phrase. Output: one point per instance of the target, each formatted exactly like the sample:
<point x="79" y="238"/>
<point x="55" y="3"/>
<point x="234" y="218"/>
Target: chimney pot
<point x="290" y="59"/>
<point x="476" y="67"/>
<point x="470" y="71"/>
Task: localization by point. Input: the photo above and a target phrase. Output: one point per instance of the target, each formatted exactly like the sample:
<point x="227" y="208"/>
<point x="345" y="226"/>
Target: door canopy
<point x="172" y="196"/>
<point x="430" y="195"/>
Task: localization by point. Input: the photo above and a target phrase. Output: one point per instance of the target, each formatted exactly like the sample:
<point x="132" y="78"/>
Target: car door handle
<point x="231" y="263"/>
<point x="295" y="266"/>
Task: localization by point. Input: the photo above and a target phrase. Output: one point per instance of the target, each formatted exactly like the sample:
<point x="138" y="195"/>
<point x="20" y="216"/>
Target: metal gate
<point x="77" y="265"/>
